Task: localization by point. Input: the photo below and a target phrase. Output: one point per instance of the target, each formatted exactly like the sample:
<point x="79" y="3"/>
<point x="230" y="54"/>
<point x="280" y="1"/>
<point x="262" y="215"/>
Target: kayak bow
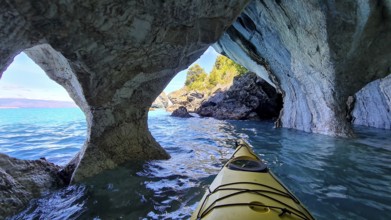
<point x="246" y="189"/>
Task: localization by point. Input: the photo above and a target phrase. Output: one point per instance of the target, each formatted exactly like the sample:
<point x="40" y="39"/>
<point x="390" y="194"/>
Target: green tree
<point x="224" y="71"/>
<point x="196" y="77"/>
<point x="241" y="69"/>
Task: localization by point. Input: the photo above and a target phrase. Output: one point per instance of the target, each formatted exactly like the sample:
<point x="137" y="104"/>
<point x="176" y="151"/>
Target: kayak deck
<point x="246" y="189"/>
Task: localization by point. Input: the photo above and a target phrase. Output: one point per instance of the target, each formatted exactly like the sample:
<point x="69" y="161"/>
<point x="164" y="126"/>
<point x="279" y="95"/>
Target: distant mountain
<point x="34" y="103"/>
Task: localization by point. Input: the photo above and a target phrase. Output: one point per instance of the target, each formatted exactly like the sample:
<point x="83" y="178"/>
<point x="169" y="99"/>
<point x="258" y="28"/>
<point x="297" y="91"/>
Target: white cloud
<point x="14" y="91"/>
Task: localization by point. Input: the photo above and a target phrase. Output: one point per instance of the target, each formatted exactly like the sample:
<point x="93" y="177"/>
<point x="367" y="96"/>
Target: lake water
<point x="335" y="178"/>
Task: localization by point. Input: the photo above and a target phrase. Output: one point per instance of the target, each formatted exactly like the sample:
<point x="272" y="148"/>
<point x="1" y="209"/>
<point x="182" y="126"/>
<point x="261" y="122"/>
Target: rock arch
<point x="114" y="58"/>
<point x="317" y="53"/>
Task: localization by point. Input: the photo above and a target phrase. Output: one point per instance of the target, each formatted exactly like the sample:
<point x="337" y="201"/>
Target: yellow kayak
<point x="246" y="189"/>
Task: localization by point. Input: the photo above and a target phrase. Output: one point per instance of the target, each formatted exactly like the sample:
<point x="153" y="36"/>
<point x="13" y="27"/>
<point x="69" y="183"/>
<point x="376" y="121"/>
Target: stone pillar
<point x="114" y="59"/>
<point x="117" y="135"/>
<point x="116" y="132"/>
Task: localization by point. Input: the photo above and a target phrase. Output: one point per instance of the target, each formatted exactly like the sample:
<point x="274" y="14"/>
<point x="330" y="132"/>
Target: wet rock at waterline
<point x="181" y="112"/>
<point x="316" y="53"/>
<point x="249" y="97"/>
<point x="22" y="180"/>
<point x="114" y="59"/>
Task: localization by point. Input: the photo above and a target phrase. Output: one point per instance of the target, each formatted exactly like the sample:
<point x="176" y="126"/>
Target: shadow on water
<point x="335" y="178"/>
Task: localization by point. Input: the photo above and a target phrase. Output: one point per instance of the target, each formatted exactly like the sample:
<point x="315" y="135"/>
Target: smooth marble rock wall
<point x="373" y="104"/>
<point x="316" y="53"/>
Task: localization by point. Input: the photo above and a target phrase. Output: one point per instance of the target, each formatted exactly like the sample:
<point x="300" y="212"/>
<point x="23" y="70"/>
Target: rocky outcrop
<point x="22" y="180"/>
<point x="249" y="97"/>
<point x="114" y="59"/>
<point x="316" y="53"/>
<point x="373" y="104"/>
<point x="161" y="101"/>
<point x="181" y="112"/>
<point x="191" y="100"/>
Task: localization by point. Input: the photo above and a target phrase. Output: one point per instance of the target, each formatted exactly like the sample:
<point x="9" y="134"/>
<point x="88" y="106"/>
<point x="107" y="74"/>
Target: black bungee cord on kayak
<point x="276" y="191"/>
<point x="251" y="163"/>
<point x="284" y="210"/>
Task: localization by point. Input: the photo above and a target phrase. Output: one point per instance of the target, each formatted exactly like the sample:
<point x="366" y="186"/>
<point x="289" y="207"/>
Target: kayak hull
<point x="246" y="189"/>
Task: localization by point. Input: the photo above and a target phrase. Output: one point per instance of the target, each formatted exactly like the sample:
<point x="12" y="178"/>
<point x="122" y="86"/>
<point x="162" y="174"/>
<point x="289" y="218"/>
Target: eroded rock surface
<point x="373" y="105"/>
<point x="22" y="180"/>
<point x="249" y="97"/>
<point x="317" y="53"/>
<point x="114" y="59"/>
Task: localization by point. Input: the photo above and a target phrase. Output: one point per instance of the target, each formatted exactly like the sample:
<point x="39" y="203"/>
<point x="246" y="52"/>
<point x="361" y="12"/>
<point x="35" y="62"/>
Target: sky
<point x="206" y="61"/>
<point x="25" y="79"/>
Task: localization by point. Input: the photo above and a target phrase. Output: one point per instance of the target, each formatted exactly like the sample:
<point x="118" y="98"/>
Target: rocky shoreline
<point x="248" y="97"/>
<point x="23" y="180"/>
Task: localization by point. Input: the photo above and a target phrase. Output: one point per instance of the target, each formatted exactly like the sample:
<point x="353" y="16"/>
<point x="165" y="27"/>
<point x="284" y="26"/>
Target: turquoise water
<point x="335" y="178"/>
<point x="55" y="134"/>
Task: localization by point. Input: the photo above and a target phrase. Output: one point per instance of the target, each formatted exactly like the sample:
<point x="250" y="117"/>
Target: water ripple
<point x="335" y="178"/>
<point x="56" y="134"/>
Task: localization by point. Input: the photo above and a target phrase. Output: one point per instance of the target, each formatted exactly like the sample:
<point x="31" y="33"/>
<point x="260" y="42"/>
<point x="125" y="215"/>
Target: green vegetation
<point x="196" y="78"/>
<point x="223" y="72"/>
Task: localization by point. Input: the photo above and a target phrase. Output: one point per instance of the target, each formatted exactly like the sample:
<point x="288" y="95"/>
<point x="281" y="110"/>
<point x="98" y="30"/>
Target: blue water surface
<point x="336" y="178"/>
<point x="32" y="133"/>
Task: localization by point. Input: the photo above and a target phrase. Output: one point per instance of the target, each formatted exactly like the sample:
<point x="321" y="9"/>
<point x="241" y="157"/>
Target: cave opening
<point x="216" y="86"/>
<point x="38" y="117"/>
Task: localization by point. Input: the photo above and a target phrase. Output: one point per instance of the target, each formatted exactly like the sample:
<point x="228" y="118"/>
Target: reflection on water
<point x="335" y="178"/>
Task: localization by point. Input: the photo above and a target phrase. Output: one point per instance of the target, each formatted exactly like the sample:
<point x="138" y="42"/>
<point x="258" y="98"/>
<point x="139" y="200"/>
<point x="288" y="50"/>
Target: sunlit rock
<point x="191" y="100"/>
<point x="317" y="53"/>
<point x="161" y="101"/>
